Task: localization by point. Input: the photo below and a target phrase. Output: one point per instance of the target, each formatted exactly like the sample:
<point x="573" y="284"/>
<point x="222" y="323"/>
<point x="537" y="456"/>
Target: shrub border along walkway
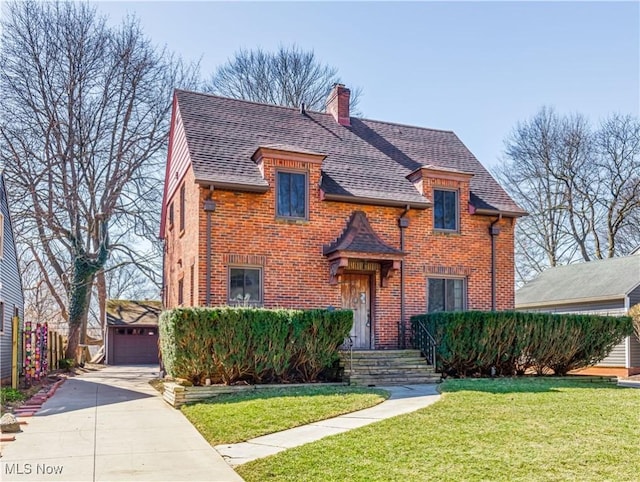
<point x="403" y="399"/>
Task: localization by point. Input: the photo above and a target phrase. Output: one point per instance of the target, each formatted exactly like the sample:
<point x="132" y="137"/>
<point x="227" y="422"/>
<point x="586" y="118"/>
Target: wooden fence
<point x="55" y="350"/>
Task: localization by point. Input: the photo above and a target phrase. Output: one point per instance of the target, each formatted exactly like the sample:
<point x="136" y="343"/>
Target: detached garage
<point x="132" y="332"/>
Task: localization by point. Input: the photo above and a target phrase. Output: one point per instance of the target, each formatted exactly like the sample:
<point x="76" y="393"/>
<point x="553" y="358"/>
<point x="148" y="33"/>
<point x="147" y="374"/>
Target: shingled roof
<point x="599" y="280"/>
<point x="359" y="236"/>
<point x="369" y="160"/>
<point x="130" y="312"/>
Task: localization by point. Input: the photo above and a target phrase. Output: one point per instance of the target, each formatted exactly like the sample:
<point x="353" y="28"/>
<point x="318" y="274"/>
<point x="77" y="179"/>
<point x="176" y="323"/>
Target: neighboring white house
<point x="607" y="287"/>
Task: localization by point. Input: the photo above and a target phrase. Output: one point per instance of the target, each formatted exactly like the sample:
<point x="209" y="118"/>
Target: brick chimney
<point x="338" y="104"/>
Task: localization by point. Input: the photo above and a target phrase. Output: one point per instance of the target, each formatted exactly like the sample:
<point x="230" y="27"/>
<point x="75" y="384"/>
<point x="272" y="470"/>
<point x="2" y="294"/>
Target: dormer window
<point x="445" y="210"/>
<point x="291" y="195"/>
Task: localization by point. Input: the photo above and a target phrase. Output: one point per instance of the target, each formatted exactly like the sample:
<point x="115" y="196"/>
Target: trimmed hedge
<point x="474" y="342"/>
<point x="228" y="345"/>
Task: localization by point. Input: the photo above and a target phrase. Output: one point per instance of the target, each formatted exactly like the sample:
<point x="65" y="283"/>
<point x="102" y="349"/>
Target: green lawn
<point x="245" y="415"/>
<point x="525" y="429"/>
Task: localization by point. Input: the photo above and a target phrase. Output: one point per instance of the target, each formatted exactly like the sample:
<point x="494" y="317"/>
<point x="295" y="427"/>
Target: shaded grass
<point x="506" y="429"/>
<point x="242" y="416"/>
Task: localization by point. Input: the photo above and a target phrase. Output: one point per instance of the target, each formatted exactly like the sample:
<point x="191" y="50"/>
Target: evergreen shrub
<point x="230" y="345"/>
<point x="510" y="342"/>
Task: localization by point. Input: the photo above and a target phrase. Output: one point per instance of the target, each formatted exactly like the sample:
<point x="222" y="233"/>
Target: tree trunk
<point x="80" y="296"/>
<point x="101" y="284"/>
<point x="85" y="268"/>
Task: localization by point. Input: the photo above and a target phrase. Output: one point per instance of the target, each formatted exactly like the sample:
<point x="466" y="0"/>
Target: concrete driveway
<point x="111" y="425"/>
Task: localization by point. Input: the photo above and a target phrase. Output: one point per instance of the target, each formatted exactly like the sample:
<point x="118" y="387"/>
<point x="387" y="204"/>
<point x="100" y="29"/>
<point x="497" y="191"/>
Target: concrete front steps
<point x="387" y="367"/>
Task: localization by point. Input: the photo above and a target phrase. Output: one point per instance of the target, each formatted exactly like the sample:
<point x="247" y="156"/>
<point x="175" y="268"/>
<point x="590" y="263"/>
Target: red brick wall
<point x="181" y="247"/>
<point x="296" y="275"/>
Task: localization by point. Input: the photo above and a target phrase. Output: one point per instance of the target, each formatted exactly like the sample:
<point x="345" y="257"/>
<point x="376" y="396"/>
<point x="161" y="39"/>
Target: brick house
<point x="281" y="207"/>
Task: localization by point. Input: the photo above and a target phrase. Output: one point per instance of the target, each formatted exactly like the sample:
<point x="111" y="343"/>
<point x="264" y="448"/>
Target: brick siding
<point x="245" y="231"/>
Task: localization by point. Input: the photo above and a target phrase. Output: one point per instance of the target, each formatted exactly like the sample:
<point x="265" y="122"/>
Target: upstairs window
<point x="245" y="286"/>
<point x="182" y="203"/>
<point x="446" y="294"/>
<point x="291" y="198"/>
<point x="171" y="218"/>
<point x="445" y="210"/>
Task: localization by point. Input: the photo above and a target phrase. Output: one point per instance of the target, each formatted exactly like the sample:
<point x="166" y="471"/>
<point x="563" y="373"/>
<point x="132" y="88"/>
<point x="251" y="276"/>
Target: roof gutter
<point x="231" y="186"/>
<point x="376" y="201"/>
<point x="498" y="212"/>
<point x="573" y="301"/>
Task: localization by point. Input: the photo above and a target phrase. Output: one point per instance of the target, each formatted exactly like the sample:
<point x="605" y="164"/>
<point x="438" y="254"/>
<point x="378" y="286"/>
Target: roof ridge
<point x="245" y="101"/>
<point x="399" y="124"/>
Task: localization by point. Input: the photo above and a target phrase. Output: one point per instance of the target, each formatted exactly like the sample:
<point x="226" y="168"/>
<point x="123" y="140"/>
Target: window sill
<point x="299" y="221"/>
<point x="446" y="232"/>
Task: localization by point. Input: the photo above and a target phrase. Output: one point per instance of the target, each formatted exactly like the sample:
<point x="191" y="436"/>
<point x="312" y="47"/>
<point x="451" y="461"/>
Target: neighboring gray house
<point x="607" y="287"/>
<point x="11" y="298"/>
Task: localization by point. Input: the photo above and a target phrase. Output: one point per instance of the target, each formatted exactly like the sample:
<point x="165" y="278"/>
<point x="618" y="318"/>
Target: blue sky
<point x="476" y="68"/>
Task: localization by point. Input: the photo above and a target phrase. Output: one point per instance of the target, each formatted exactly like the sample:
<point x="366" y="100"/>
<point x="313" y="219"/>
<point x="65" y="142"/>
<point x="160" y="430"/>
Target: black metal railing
<point x="347" y="349"/>
<point x="425" y="342"/>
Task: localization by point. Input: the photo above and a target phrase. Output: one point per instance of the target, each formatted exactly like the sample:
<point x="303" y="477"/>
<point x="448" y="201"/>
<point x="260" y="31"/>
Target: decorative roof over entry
<point x="359" y="236"/>
<point x="360" y="241"/>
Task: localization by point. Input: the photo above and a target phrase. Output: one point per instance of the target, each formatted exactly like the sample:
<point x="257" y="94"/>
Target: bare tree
<point x="288" y="77"/>
<point x="580" y="186"/>
<point x="532" y="153"/>
<point x="39" y="304"/>
<point x="617" y="143"/>
<point x="84" y="119"/>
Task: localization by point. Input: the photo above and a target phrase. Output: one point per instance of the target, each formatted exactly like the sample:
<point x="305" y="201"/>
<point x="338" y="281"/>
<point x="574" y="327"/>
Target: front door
<point x="356" y="295"/>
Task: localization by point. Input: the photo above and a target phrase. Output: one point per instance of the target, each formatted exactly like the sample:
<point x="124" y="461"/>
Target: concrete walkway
<point x="629" y="383"/>
<point x="111" y="425"/>
<point x="403" y="399"/>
